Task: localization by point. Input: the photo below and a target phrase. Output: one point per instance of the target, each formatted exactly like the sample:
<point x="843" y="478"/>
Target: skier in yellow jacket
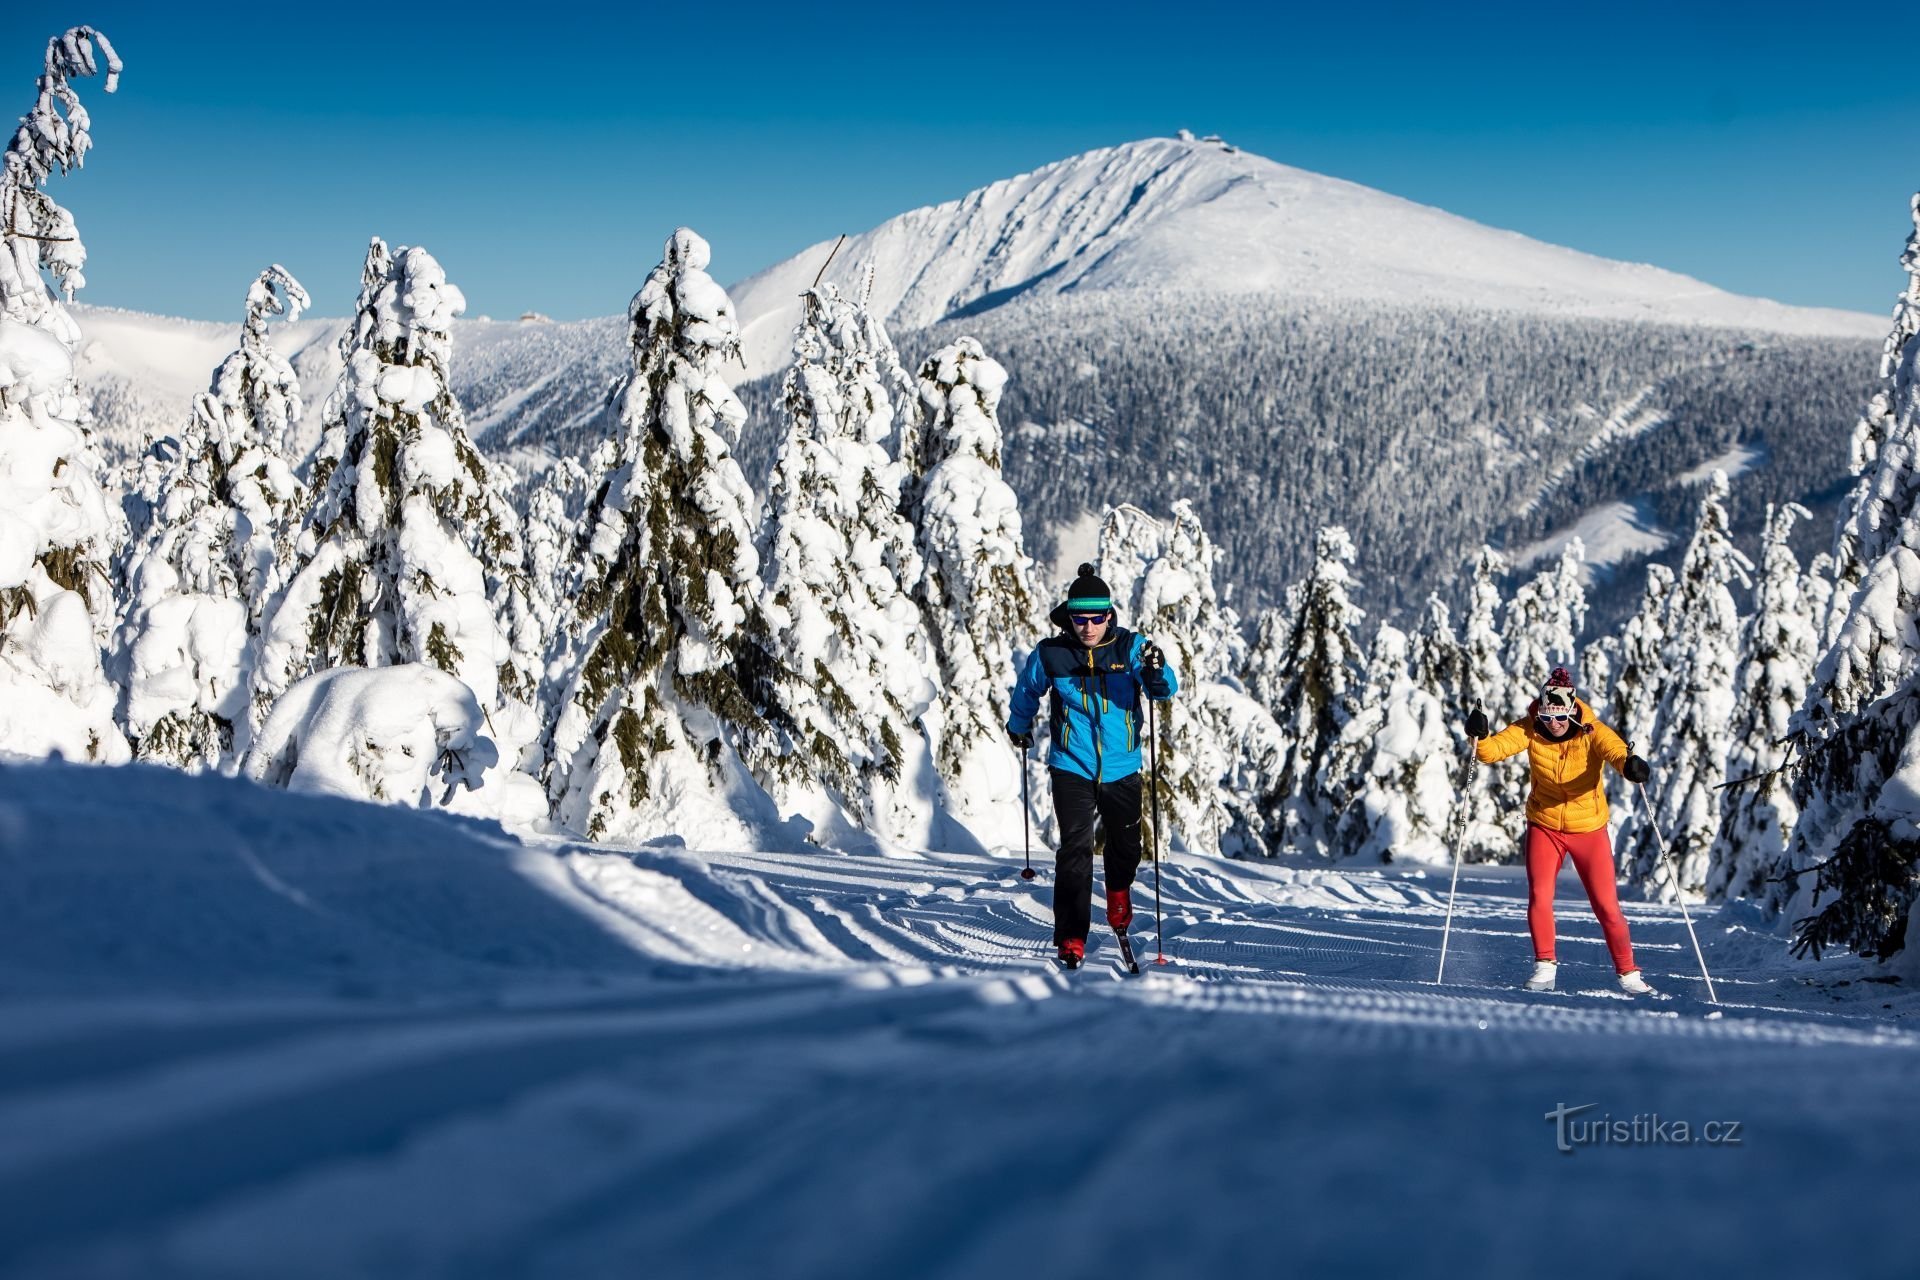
<point x="1567" y="816"/>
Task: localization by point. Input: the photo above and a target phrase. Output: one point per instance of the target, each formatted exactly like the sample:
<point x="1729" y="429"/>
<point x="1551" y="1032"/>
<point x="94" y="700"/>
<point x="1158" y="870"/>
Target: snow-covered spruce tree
<point x="1688" y="748"/>
<point x="57" y="532"/>
<point x="902" y="388"/>
<point x="556" y="506"/>
<point x="673" y="652"/>
<point x="1304" y="669"/>
<point x="1493" y="798"/>
<point x="1776" y="661"/>
<point x="408" y="548"/>
<point x="1859" y="731"/>
<point x="1218" y="748"/>
<point x="1544" y="619"/>
<point x="976" y="594"/>
<point x="856" y="674"/>
<point x="1389" y="769"/>
<point x="1640" y="671"/>
<point x="218" y="520"/>
<point x="1435" y="657"/>
<point x="1486" y="680"/>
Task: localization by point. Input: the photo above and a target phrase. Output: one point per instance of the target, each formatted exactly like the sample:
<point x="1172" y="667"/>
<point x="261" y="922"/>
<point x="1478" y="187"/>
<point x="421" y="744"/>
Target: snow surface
<point x="1195" y="216"/>
<point x="1612" y="534"/>
<point x="250" y="1032"/>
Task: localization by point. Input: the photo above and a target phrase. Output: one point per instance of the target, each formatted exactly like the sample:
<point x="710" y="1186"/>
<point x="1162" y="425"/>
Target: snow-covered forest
<point x="654" y="640"/>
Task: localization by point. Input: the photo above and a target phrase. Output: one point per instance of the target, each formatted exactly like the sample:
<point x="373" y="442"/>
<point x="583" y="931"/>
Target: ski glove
<point x="1477" y="724"/>
<point x="1151" y="658"/>
<point x="1024" y="741"/>
<point x="1636" y="770"/>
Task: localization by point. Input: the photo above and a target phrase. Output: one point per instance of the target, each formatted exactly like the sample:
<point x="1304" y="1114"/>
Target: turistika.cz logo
<point x="1604" y="1130"/>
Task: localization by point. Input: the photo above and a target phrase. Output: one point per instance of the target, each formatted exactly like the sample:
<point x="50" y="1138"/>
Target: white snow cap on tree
<point x="219" y="515"/>
<point x="53" y="137"/>
<point x="1304" y="669"/>
<point x="1877" y="552"/>
<point x="406" y="528"/>
<point x="1544" y="619"/>
<point x="1389" y="769"/>
<point x="671" y="645"/>
<point x="1689" y="744"/>
<point x="1859" y="799"/>
<point x="976" y="594"/>
<point x="57" y="532"/>
<point x="1776" y="660"/>
<point x="1639" y="678"/>
<point x="406" y="734"/>
<point x="856" y="673"/>
<point x="1217" y="747"/>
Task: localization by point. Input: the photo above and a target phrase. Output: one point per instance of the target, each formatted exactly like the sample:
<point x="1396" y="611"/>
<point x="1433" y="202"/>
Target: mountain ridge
<point x="1198" y="215"/>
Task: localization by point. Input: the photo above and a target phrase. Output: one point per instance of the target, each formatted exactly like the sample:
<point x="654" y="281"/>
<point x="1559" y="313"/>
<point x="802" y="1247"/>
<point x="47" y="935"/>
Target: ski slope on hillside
<point x="252" y="1033"/>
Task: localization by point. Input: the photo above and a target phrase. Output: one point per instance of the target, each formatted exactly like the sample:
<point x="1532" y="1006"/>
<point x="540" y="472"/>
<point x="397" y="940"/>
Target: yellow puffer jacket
<point x="1567" y="793"/>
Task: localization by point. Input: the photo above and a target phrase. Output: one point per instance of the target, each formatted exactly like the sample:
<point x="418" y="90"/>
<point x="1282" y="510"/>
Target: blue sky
<point x="543" y="153"/>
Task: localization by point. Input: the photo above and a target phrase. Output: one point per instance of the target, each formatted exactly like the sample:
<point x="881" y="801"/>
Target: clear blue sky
<point x="543" y="152"/>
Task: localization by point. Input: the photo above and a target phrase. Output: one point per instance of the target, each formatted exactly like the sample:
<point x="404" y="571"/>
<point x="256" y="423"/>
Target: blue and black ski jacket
<point x="1093" y="702"/>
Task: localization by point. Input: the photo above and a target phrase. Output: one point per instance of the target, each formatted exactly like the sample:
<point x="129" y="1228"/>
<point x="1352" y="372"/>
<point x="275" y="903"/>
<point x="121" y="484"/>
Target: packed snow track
<point x="251" y="1033"/>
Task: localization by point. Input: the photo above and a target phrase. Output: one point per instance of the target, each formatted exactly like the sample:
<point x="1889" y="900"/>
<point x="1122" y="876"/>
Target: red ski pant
<point x="1592" y="855"/>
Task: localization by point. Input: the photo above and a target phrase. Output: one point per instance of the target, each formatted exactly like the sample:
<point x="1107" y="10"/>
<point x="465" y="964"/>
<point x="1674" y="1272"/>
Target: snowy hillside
<point x="1168" y="214"/>
<point x="246" y="1032"/>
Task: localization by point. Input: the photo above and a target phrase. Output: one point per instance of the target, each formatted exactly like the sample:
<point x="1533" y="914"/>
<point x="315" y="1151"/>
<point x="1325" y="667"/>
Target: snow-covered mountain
<point x="1285" y="348"/>
<point x="1202" y="216"/>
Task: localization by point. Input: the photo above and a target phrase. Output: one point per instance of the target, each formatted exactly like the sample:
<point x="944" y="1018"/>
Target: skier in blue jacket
<point x="1093" y="675"/>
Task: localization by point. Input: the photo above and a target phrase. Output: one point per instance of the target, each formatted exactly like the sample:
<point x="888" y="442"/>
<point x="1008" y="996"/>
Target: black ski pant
<point x="1078" y="802"/>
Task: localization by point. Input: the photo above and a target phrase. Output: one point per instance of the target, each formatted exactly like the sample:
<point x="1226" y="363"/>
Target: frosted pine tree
<point x="1389" y="770"/>
<point x="672" y="649"/>
<point x="1688" y="748"/>
<point x="901" y="387"/>
<point x="1486" y="681"/>
<point x="57" y="531"/>
<point x="1218" y="748"/>
<point x="976" y="593"/>
<point x="1544" y="619"/>
<point x="200" y="571"/>
<point x="556" y="506"/>
<point x="857" y="673"/>
<point x="1858" y="730"/>
<point x="408" y="547"/>
<point x="1305" y="668"/>
<point x="1493" y="798"/>
<point x="1640" y="671"/>
<point x="1436" y="658"/>
<point x="1776" y="661"/>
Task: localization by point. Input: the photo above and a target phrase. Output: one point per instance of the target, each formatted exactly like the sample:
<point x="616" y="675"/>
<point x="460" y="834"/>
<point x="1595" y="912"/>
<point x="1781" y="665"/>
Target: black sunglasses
<point x="1086" y="619"/>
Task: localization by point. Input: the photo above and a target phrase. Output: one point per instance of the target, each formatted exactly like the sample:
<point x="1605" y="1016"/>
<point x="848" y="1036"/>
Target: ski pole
<point x="1153" y="757"/>
<point x="1459" y="838"/>
<point x="1026" y="820"/>
<point x="1673" y="870"/>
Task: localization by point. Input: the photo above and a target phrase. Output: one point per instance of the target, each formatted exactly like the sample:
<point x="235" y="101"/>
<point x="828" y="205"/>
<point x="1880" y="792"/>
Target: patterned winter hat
<point x="1088" y="592"/>
<point x="1556" y="696"/>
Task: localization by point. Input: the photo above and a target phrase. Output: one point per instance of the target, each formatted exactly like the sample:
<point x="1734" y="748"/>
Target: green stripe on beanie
<point x="1088" y="591"/>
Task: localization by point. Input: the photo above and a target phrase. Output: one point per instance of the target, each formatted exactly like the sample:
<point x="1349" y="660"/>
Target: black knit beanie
<point x="1088" y="592"/>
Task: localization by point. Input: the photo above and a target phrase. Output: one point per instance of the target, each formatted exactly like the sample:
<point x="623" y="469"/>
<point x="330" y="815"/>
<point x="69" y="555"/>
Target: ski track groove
<point x="170" y="1157"/>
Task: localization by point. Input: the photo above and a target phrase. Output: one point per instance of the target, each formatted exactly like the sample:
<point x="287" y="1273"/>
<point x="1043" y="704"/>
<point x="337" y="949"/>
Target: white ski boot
<point x="1633" y="984"/>
<point x="1544" y="972"/>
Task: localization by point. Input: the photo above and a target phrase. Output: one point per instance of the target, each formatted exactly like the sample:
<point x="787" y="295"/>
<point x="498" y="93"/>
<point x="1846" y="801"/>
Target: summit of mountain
<point x="1187" y="215"/>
